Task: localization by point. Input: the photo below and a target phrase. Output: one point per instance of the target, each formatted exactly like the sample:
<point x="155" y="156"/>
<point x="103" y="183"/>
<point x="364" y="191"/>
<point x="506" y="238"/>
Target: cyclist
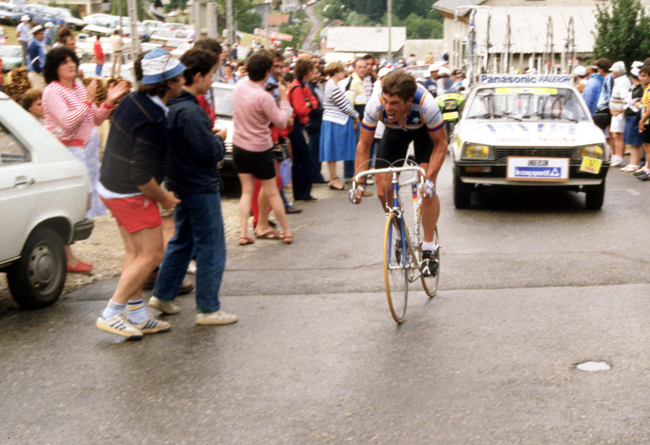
<point x="410" y="114"/>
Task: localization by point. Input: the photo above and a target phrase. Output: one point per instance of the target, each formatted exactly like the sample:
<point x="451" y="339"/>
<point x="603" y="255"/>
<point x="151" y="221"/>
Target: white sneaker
<point x="617" y="161"/>
<point x="218" y="317"/>
<point x="118" y="324"/>
<point x="191" y="269"/>
<point x="152" y="326"/>
<point x="166" y="307"/>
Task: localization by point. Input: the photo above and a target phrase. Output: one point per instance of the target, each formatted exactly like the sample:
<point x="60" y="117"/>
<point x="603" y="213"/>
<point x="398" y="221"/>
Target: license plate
<point x="450" y="116"/>
<point x="538" y="169"/>
<point x="591" y="165"/>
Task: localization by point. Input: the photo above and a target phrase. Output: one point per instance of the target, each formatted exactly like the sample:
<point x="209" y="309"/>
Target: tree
<point x="142" y="9"/>
<point x="248" y="21"/>
<point x="622" y="32"/>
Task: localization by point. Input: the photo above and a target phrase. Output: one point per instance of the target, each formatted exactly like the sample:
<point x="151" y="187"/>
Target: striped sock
<point x="136" y="312"/>
<point x="113" y="309"/>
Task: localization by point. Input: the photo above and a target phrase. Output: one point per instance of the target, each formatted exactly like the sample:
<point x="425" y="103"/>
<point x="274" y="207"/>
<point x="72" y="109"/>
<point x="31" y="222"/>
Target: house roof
<point x="422" y="47"/>
<point x="529" y="24"/>
<point x="450" y="6"/>
<point x="277" y="19"/>
<point x="371" y="39"/>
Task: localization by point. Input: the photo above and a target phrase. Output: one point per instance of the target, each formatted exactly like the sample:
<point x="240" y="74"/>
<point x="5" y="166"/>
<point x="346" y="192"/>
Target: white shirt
<point x="622" y="86"/>
<point x="23" y="32"/>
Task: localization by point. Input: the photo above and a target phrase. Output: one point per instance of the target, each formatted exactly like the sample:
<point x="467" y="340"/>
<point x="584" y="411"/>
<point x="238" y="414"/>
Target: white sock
<point x="427" y="246"/>
<point x="113" y="309"/>
<point x="136" y="312"/>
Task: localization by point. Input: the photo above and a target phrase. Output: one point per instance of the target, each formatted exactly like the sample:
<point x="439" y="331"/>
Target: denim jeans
<point x="199" y="230"/>
<point x="98" y="70"/>
<point x="348" y="166"/>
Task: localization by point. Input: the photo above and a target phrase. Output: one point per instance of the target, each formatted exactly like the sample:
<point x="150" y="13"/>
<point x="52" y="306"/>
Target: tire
<point x="36" y="280"/>
<point x="430" y="284"/>
<point x="462" y="193"/>
<point x="395" y="270"/>
<point x="595" y="196"/>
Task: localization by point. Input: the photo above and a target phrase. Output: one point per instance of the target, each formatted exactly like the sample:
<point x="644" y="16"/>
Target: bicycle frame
<point x="397" y="208"/>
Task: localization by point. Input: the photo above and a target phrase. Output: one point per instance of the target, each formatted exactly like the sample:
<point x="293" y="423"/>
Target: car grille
<point x="502" y="153"/>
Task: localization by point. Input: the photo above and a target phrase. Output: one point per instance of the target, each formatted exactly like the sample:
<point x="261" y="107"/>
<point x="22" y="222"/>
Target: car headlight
<point x="450" y="105"/>
<point x="472" y="151"/>
<point x="591" y="151"/>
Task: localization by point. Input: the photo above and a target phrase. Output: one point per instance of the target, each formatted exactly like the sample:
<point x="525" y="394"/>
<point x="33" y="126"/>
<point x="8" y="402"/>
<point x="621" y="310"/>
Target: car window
<point x="223" y="100"/>
<point x="523" y="103"/>
<point x="11" y="151"/>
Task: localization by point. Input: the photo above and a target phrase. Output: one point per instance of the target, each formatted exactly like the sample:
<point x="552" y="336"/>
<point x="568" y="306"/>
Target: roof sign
<point x="526" y="78"/>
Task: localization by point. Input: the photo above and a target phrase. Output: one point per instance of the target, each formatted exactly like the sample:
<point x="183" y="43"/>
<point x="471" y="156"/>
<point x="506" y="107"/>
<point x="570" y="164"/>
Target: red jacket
<point x="100" y="59"/>
<point x="205" y="106"/>
<point x="299" y="96"/>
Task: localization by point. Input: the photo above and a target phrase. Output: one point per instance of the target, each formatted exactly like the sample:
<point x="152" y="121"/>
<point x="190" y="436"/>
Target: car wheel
<point x="36" y="280"/>
<point x="595" y="196"/>
<point x="462" y="192"/>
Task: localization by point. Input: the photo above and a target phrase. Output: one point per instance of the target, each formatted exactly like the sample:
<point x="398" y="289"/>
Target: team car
<point x="528" y="130"/>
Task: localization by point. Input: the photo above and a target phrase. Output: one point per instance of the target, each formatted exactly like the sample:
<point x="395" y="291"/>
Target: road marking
<point x="594" y="366"/>
<point x="632" y="192"/>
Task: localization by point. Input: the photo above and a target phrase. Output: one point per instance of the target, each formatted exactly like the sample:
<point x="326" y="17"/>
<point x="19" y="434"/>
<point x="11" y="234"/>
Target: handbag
<point x="602" y="118"/>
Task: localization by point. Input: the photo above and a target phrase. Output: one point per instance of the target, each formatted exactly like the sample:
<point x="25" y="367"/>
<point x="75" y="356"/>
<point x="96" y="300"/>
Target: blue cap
<point x="158" y="66"/>
<point x="60" y="22"/>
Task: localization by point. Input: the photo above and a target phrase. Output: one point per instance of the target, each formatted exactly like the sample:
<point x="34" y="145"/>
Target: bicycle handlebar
<point x="410" y="168"/>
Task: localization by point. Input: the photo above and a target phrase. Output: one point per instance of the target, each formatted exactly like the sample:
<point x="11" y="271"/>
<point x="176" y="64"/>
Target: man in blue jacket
<point x="594" y="87"/>
<point x="192" y="175"/>
<point x="36" y="58"/>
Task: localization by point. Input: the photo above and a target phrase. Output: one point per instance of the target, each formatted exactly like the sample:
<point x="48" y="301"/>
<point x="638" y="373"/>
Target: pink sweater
<point x="253" y="110"/>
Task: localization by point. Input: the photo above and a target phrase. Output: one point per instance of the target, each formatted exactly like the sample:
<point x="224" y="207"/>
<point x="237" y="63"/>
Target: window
<point x="11" y="151"/>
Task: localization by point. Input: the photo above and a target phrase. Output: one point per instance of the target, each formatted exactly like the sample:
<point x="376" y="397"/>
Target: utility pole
<point x="266" y="25"/>
<point x="135" y="42"/>
<point x="390" y="22"/>
<point x="229" y="23"/>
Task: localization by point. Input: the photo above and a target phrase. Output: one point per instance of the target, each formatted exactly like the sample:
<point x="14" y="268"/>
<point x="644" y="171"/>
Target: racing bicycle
<point x="402" y="245"/>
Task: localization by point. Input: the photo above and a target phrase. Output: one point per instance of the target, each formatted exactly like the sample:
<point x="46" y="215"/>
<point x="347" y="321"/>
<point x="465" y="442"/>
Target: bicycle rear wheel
<point x="430" y="284"/>
<point x="396" y="267"/>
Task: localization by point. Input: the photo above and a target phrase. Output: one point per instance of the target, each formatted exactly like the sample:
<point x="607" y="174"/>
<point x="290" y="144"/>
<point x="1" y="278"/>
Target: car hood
<point x="523" y="134"/>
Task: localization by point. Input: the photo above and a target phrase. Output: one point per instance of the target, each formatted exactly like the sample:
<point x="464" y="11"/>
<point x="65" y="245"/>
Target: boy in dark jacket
<point x="192" y="174"/>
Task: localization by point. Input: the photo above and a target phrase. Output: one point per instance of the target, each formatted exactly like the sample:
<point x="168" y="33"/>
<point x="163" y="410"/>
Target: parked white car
<point x="43" y="202"/>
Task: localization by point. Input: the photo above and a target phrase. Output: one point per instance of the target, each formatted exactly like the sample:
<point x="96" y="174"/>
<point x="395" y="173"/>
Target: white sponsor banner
<point x="526" y="78"/>
<point x="538" y="169"/>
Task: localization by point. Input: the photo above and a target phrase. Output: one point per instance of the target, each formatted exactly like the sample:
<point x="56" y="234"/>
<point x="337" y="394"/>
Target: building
<point x="276" y="20"/>
<point x="422" y="47"/>
<point x="363" y="40"/>
<point x="290" y="5"/>
<point x="548" y="35"/>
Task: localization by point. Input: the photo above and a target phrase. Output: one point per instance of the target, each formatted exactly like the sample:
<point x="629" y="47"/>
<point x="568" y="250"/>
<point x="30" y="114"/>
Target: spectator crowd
<point x="159" y="177"/>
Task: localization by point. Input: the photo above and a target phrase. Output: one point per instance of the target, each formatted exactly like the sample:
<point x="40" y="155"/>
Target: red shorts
<point x="135" y="213"/>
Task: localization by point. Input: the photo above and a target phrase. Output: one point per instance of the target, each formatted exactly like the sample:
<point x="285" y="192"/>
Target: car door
<point x="19" y="198"/>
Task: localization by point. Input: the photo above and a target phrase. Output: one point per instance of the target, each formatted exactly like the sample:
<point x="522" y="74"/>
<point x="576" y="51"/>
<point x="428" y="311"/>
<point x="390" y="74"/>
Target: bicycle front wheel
<point x="430" y="283"/>
<point x="396" y="265"/>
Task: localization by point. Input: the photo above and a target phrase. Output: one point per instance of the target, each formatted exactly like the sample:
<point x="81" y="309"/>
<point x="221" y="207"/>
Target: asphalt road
<point x="315" y="27"/>
<point x="532" y="284"/>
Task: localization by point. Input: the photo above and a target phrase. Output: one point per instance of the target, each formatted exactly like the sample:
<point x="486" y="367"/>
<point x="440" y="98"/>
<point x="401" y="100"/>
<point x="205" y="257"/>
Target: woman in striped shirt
<point x="71" y="116"/>
<point x="337" y="139"/>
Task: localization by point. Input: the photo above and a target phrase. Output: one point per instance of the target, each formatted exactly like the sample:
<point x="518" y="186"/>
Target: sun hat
<point x="434" y="67"/>
<point x="444" y="71"/>
<point x="25" y="18"/>
<point x="36" y="29"/>
<point x="618" y="67"/>
<point x="383" y="72"/>
<point x="635" y="71"/>
<point x="580" y="71"/>
<point x="158" y="66"/>
<point x="49" y="24"/>
<point x="637" y="64"/>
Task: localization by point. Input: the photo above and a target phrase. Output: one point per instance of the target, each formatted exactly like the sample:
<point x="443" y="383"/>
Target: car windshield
<point x="223" y="99"/>
<point x="11" y="51"/>
<point x="523" y="103"/>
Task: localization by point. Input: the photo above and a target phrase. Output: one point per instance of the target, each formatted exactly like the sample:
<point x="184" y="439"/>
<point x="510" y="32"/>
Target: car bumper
<point x="82" y="230"/>
<point x="227" y="166"/>
<point x="496" y="175"/>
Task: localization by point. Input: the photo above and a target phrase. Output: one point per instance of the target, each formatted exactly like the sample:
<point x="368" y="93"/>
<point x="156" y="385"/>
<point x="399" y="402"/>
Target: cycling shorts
<point x="395" y="143"/>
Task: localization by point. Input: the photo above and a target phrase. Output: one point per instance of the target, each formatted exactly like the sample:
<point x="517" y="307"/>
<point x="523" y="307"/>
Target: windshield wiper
<point x="518" y="119"/>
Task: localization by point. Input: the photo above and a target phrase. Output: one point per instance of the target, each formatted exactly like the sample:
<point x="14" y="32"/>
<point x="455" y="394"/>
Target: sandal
<point x="332" y="186"/>
<point x="286" y="239"/>
<point x="244" y="241"/>
<point x="630" y="168"/>
<point x="271" y="234"/>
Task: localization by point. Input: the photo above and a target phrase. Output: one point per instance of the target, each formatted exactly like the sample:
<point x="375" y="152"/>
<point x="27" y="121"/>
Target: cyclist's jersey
<point x="424" y="111"/>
